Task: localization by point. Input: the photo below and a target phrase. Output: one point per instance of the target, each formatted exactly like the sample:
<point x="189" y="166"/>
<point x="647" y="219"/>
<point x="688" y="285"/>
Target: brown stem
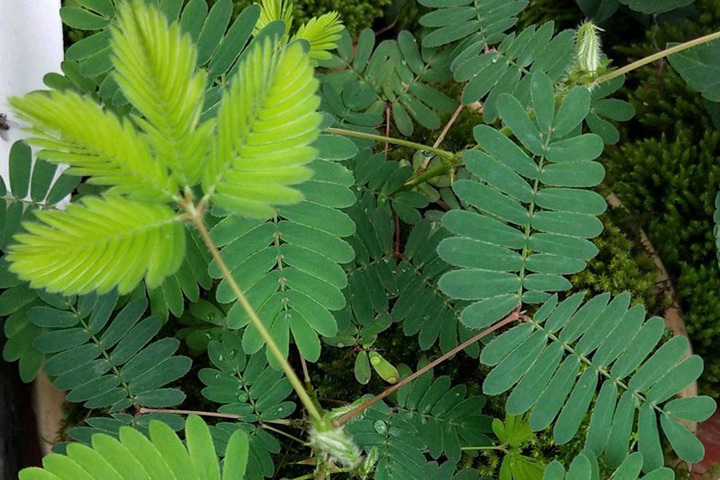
<point x="447" y="126"/>
<point x="359" y="409"/>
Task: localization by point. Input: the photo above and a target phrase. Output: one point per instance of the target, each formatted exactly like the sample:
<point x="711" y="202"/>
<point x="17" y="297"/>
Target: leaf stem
<point x="272" y="347"/>
<point x="515" y="315"/>
<point x="446" y="167"/>
<point x="396" y="141"/>
<point x="656" y="56"/>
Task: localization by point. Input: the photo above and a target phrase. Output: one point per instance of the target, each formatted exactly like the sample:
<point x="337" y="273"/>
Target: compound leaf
<point x="262" y="145"/>
<point x="100" y="244"/>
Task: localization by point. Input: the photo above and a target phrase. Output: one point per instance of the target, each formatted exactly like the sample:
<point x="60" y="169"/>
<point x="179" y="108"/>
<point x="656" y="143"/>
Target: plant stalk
<point x="255" y="320"/>
<point x="656" y="56"/>
<point x="396" y="141"/>
<point x="515" y="315"/>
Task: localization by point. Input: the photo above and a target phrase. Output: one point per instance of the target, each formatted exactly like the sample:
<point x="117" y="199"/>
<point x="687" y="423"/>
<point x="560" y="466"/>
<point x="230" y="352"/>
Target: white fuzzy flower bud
<point x="588" y="50"/>
<point x="334" y="444"/>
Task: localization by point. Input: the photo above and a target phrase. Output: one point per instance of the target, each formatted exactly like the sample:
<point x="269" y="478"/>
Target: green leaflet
<point x="567" y="392"/>
<point x="528" y="223"/>
<point x="134" y="456"/>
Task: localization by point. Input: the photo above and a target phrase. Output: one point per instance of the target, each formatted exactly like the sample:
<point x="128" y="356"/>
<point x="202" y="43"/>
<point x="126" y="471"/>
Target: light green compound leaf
<point x="322" y="33"/>
<point x="266" y="122"/>
<point x="133" y="455"/>
<point x="99" y="244"/>
<point x="155" y="69"/>
<point x="111" y="152"/>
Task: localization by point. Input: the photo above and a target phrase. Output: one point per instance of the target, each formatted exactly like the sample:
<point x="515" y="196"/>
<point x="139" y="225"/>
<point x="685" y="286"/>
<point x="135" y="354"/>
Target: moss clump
<point x="620" y="266"/>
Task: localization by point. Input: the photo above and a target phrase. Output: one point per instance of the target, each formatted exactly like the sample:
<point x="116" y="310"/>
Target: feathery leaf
<point x="101" y="243"/>
<point x="110" y="151"/>
<point x="155" y="68"/>
<point x="322" y="32"/>
<point x="266" y="123"/>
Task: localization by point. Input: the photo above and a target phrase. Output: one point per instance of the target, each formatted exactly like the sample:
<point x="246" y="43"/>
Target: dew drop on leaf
<point x="380" y="427"/>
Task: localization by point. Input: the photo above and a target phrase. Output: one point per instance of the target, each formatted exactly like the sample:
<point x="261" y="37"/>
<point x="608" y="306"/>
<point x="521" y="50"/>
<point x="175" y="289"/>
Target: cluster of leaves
<point x="216" y="120"/>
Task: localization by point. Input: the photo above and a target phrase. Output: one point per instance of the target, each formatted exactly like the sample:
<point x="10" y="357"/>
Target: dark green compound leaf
<point x="378" y="277"/>
<point x="106" y="358"/>
<point x="699" y="67"/>
<point x="585" y="467"/>
<point x="446" y="419"/>
<point x="605" y="112"/>
<point x="509" y="68"/>
<point x="248" y="387"/>
<point x="30" y="185"/>
<point x="631" y="375"/>
<point x="468" y="21"/>
<point x="245" y="386"/>
<point x="528" y="219"/>
<point x="395" y="75"/>
<point x="290" y="265"/>
<point x="658" y="6"/>
<point x="397" y="440"/>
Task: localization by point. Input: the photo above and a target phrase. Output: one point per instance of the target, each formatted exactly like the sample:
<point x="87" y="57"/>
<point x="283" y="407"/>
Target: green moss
<point x="619" y="266"/>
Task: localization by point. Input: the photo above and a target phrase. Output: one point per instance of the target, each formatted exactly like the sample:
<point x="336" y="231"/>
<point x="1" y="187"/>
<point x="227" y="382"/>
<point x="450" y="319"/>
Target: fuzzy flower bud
<point x="333" y="444"/>
<point x="588" y="50"/>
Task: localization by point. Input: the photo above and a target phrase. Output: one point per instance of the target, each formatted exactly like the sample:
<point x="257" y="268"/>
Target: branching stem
<point x="515" y="315"/>
<point x="272" y="347"/>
